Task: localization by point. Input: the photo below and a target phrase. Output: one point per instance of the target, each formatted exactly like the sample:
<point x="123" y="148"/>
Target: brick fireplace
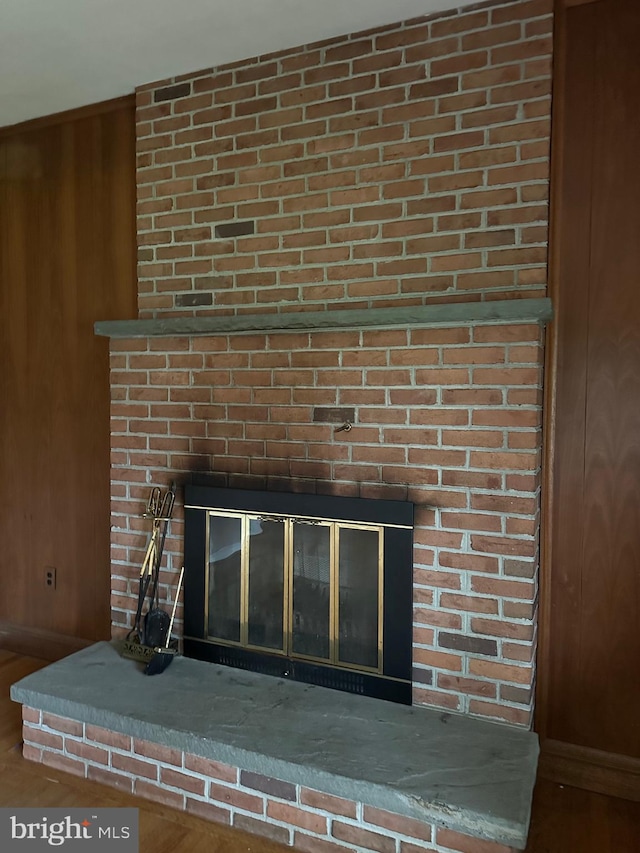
<point x="358" y="223"/>
<point x="395" y="169"/>
<point x="468" y="460"/>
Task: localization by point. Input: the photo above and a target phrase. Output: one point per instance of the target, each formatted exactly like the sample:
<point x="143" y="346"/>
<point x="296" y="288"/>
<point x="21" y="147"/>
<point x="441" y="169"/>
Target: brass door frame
<point x="288" y="575"/>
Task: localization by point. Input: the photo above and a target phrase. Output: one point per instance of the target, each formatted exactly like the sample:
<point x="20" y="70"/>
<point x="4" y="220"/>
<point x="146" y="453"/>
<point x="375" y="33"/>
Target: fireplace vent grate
<point x="265" y="665"/>
<point x="352" y="682"/>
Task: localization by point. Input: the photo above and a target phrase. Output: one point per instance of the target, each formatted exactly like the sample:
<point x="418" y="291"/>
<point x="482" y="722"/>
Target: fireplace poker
<point x="163" y="655"/>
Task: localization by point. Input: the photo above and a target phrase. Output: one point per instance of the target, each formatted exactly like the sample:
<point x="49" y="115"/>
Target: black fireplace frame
<point x="394" y="682"/>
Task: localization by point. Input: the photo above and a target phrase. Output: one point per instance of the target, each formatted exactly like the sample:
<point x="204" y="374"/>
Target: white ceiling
<point x="60" y="54"/>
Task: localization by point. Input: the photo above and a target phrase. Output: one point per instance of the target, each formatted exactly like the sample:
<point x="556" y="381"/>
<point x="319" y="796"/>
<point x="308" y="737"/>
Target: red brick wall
<point x="446" y="418"/>
<point x="387" y="168"/>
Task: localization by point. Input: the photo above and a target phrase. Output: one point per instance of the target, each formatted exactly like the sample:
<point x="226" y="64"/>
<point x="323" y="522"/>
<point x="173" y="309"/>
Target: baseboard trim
<point x="591" y="769"/>
<point x="38" y="643"/>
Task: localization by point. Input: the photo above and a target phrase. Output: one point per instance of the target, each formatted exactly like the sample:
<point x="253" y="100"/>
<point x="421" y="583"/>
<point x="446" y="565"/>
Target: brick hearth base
<point x="309" y="767"/>
<point x="304" y="818"/>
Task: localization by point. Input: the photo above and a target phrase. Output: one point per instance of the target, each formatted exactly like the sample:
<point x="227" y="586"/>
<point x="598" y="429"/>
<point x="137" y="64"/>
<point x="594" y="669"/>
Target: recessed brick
<point x="519" y="695"/>
<point x="193" y="299"/>
<point x="423" y="676"/>
<point x="170" y="93"/>
<point x="274" y="787"/>
<point x="434" y="88"/>
<point x="333" y="415"/>
<point x="235" y="229"/>
<point x="473" y="645"/>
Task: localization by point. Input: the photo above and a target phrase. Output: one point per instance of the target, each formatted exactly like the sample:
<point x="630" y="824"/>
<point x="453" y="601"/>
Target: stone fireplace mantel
<point x="445" y="314"/>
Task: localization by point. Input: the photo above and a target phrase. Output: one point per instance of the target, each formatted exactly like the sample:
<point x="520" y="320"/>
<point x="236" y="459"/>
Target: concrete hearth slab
<point x="467" y="774"/>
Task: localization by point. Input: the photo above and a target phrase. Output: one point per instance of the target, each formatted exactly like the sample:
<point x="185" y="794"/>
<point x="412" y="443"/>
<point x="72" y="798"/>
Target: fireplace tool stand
<point x="154" y="629"/>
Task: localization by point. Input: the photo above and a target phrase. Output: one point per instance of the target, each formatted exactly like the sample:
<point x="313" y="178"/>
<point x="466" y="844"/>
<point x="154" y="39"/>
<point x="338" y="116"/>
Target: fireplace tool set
<point x="149" y="641"/>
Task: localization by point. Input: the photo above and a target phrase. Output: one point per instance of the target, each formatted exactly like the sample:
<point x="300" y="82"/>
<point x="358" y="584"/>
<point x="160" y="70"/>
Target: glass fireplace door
<point x="312" y="605"/>
<point x="310" y="590"/>
<point x="225" y="534"/>
<point x="265" y="594"/>
<point x="360" y="597"/>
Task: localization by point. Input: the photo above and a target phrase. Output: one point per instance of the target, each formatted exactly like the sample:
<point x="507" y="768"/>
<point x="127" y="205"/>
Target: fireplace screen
<point x="295" y="587"/>
<point x="301" y="586"/>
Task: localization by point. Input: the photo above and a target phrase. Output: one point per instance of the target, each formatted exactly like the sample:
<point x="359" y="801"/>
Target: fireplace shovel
<point x="163" y="655"/>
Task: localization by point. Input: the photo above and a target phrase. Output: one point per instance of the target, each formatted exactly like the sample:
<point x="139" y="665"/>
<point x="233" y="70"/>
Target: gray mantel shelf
<point x="449" y="314"/>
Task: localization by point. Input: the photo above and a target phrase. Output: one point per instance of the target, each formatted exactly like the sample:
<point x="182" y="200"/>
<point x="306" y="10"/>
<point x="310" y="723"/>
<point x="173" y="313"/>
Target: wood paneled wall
<point x="589" y="687"/>
<point x="67" y="258"/>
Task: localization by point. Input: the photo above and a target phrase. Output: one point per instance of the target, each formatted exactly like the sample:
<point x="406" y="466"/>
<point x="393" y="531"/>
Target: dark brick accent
<point x="274" y="787"/>
<point x="236" y="229"/>
<point x="475" y="645"/>
<point x="322" y="415"/>
<point x="433" y="88"/>
<point x="520" y="695"/>
<point x="259" y="827"/>
<point x="186" y="300"/>
<point x="519" y="568"/>
<point x="169" y="93"/>
<point x="422" y="676"/>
